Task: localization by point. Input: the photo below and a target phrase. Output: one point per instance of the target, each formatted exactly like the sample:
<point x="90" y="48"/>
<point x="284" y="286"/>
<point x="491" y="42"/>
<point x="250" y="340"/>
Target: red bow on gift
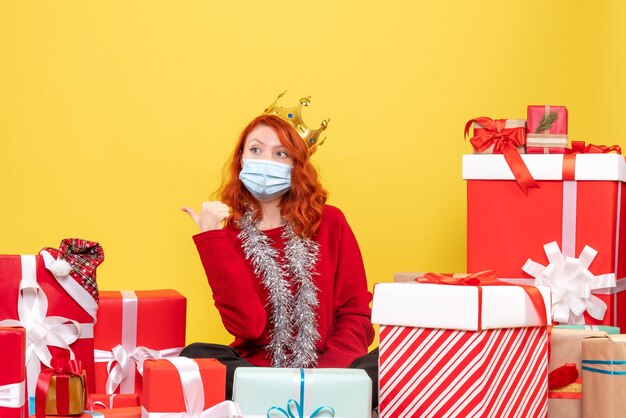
<point x="505" y="141"/>
<point x="562" y="376"/>
<point x="487" y="278"/>
<point x="62" y="368"/>
<point x="579" y="147"/>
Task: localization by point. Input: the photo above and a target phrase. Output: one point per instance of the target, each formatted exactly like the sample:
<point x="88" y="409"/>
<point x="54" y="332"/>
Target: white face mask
<point x="266" y="180"/>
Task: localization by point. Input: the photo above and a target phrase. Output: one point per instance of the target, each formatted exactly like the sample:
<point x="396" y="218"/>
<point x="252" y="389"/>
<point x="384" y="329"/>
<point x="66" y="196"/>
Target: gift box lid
<point x="424" y="305"/>
<point x="545" y="167"/>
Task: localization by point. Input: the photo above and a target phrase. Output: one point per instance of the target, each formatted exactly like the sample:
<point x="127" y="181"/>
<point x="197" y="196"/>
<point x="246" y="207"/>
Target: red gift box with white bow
<point x="134" y="326"/>
<point x="569" y="233"/>
<point x="57" y="312"/>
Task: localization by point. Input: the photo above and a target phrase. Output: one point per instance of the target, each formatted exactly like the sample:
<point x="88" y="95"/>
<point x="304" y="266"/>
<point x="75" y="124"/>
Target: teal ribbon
<point x="605" y="363"/>
<point x="299" y="406"/>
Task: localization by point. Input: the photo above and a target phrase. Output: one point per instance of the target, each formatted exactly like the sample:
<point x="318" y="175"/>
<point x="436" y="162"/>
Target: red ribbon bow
<point x="62" y="368"/>
<point x="505" y="141"/>
<point x="562" y="376"/>
<point x="487" y="278"/>
<point x="579" y="147"/>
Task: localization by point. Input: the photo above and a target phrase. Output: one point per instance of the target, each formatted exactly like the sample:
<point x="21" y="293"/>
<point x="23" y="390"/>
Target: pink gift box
<point x="537" y="113"/>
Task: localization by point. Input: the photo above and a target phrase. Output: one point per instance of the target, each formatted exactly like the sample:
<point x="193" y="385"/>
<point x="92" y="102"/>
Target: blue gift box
<point x="263" y="392"/>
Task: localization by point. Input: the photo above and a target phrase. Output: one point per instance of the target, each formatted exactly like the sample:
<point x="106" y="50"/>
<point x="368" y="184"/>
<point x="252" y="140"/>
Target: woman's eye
<point x="282" y="154"/>
<point x="255" y="150"/>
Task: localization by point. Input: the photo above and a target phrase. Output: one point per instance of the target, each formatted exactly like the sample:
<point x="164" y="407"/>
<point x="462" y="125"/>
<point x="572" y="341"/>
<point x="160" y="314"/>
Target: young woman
<point x="285" y="268"/>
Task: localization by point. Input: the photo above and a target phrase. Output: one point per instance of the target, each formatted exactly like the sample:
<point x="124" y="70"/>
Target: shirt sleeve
<point x="353" y="331"/>
<point x="231" y="281"/>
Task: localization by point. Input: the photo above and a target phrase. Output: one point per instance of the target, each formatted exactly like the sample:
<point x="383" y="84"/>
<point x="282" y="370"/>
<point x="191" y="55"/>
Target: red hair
<point x="302" y="205"/>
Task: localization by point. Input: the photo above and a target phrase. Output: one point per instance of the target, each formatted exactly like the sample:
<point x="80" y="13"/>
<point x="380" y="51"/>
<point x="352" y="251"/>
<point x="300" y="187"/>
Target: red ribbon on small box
<point x="579" y="147"/>
<point x="62" y="369"/>
<point x="505" y="141"/>
<point x="487" y="278"/>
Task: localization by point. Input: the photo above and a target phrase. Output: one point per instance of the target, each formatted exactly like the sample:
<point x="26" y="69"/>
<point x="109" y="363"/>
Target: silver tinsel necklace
<point x="294" y="325"/>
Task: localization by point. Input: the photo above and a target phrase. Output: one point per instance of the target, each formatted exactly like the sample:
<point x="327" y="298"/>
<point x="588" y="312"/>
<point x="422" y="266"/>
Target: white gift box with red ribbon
<point x="462" y="350"/>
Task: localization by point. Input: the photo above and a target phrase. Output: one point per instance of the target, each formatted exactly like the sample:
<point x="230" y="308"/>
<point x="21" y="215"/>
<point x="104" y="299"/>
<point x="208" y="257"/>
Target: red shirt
<point x="343" y="313"/>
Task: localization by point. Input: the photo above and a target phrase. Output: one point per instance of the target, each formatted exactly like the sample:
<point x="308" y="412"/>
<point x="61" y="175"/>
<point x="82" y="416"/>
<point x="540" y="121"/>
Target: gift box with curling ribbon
<point x="61" y="389"/>
<point x="568" y="233"/>
<point x="98" y="401"/>
<point x="179" y="387"/>
<point x="284" y="392"/>
<point x="604" y="376"/>
<point x="134" y="326"/>
<point x="13" y="402"/>
<point x="53" y="295"/>
<point x="464" y="346"/>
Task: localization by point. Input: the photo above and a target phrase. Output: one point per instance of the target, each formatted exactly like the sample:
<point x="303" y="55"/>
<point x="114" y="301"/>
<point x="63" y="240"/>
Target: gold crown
<point x="292" y="116"/>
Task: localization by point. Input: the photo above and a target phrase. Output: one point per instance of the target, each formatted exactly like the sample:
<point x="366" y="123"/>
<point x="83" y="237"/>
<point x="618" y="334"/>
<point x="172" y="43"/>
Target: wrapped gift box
<point x="128" y="412"/>
<point x="517" y="128"/>
<point x="579" y="204"/>
<point x="98" y="401"/>
<point x="61" y="390"/>
<point x="566" y="348"/>
<point x="265" y="391"/>
<point x="13" y="373"/>
<point x="134" y="326"/>
<point x="604" y="328"/>
<point x="604" y="376"/>
<point x="163" y="391"/>
<point x="58" y="304"/>
<point x="461" y="350"/>
<point x="552" y="117"/>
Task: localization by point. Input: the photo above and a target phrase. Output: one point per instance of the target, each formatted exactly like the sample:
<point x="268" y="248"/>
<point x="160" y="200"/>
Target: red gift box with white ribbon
<point x="179" y="387"/>
<point x="56" y="311"/>
<point x="569" y="233"/>
<point x="468" y="349"/>
<point x="134" y="326"/>
<point x="13" y="373"/>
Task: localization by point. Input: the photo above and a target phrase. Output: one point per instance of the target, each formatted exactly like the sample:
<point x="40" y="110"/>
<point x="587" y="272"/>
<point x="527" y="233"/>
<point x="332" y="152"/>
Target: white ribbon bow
<point x="571" y="284"/>
<point x="41" y="330"/>
<point x="12" y="395"/>
<point x="122" y="364"/>
<point x="193" y="393"/>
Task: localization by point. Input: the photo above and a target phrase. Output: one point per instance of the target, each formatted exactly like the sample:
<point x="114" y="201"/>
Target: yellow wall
<point x="114" y="115"/>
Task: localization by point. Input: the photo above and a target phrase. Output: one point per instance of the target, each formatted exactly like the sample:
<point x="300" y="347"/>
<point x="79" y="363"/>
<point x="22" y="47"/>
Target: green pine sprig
<point x="547" y="121"/>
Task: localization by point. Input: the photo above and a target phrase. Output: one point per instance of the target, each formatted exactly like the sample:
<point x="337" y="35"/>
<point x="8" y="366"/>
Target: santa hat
<point x="78" y="258"/>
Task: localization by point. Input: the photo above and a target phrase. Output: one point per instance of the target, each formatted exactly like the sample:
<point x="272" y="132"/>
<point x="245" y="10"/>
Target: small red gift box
<point x="53" y="305"/>
<point x="165" y="392"/>
<point x="127" y="412"/>
<point x="98" y="401"/>
<point x="547" y="120"/>
<point x="486" y="357"/>
<point x="12" y="373"/>
<point x="568" y="233"/>
<point x="61" y="389"/>
<point x="134" y="326"/>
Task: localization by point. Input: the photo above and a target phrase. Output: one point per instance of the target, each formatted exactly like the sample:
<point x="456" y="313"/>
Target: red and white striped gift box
<point x="460" y="351"/>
